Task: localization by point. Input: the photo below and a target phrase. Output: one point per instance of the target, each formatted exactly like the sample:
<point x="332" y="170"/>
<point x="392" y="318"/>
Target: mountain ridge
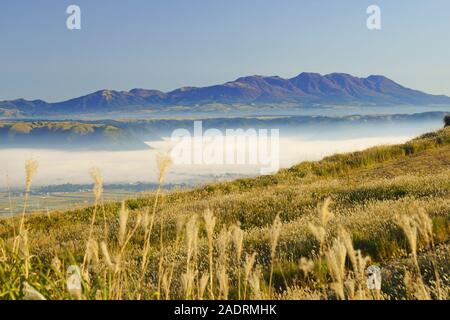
<point x="307" y="88"/>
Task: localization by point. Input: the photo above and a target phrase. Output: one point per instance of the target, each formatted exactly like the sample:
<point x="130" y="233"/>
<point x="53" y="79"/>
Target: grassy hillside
<point x="308" y="232"/>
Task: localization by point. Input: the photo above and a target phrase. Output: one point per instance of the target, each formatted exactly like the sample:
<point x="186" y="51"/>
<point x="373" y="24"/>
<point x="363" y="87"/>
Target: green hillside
<point x="307" y="232"/>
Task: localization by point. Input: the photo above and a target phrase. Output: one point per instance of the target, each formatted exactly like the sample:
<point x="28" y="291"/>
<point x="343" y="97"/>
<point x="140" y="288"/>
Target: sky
<point x="166" y="44"/>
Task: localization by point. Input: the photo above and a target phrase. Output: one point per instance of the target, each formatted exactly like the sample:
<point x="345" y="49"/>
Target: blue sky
<point x="165" y="44"/>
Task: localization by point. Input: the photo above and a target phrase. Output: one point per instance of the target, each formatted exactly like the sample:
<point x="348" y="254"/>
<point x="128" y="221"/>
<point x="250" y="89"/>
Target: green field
<point x="12" y="203"/>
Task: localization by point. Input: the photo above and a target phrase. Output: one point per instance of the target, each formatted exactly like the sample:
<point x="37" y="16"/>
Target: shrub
<point x="447" y="120"/>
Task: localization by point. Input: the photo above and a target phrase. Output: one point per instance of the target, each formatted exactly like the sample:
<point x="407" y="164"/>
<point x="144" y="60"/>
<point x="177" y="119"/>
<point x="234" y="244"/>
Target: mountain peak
<point x="249" y="79"/>
<point x="308" y="75"/>
<point x="378" y="78"/>
<point x="307" y="88"/>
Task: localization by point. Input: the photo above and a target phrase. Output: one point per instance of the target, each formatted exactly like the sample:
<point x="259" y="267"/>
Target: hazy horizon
<point x="57" y="167"/>
<point x="165" y="45"/>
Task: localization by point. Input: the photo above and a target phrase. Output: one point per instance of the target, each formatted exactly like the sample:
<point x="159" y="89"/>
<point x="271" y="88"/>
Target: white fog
<point x="60" y="167"/>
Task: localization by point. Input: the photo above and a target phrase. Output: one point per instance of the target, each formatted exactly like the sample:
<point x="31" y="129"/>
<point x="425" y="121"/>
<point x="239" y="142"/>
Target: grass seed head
<point x="163" y="162"/>
<point x="98" y="182"/>
<point x="275" y="235"/>
<point x="325" y="215"/>
<point x="31" y="167"/>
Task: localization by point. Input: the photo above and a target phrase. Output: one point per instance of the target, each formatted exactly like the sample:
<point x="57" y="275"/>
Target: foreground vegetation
<point x="308" y="232"/>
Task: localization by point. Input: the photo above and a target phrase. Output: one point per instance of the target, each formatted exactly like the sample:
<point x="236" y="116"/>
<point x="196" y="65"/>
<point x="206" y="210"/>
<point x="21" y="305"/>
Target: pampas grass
<point x="228" y="241"/>
<point x="123" y="220"/>
<point x="98" y="191"/>
<point x="238" y="241"/>
<point x="210" y="223"/>
<point x="31" y="168"/>
<point x="250" y="260"/>
<point x="274" y="237"/>
<point x="335" y="258"/>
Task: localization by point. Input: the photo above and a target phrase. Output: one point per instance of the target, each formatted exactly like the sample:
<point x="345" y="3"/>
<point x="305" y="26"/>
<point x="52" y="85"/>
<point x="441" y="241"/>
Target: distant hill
<point x="305" y="89"/>
<point x="69" y="135"/>
<point x="131" y="134"/>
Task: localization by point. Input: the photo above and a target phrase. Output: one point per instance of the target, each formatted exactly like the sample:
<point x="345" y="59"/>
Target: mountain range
<point x="306" y="89"/>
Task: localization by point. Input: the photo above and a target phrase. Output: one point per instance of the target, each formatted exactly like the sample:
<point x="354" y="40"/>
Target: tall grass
<point x="312" y="240"/>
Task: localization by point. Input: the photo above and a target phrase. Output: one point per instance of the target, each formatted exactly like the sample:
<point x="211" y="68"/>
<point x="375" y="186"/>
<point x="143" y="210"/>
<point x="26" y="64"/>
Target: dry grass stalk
<point x="325" y="215"/>
<point x="410" y="229"/>
<point x="255" y="284"/>
<point x="210" y="223"/>
<point x="419" y="224"/>
<point x="191" y="254"/>
<point x="203" y="284"/>
<point x="320" y="234"/>
<point x="274" y="237"/>
<point x="106" y="256"/>
<point x="92" y="252"/>
<point x="415" y="287"/>
<point x="319" y="230"/>
<point x="250" y="260"/>
<point x="335" y="258"/>
<point x="163" y="162"/>
<point x="123" y="220"/>
<point x="31" y="167"/>
<point x="98" y="191"/>
<point x="224" y="286"/>
<point x="25" y="250"/>
<point x="96" y="176"/>
<point x="238" y="242"/>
